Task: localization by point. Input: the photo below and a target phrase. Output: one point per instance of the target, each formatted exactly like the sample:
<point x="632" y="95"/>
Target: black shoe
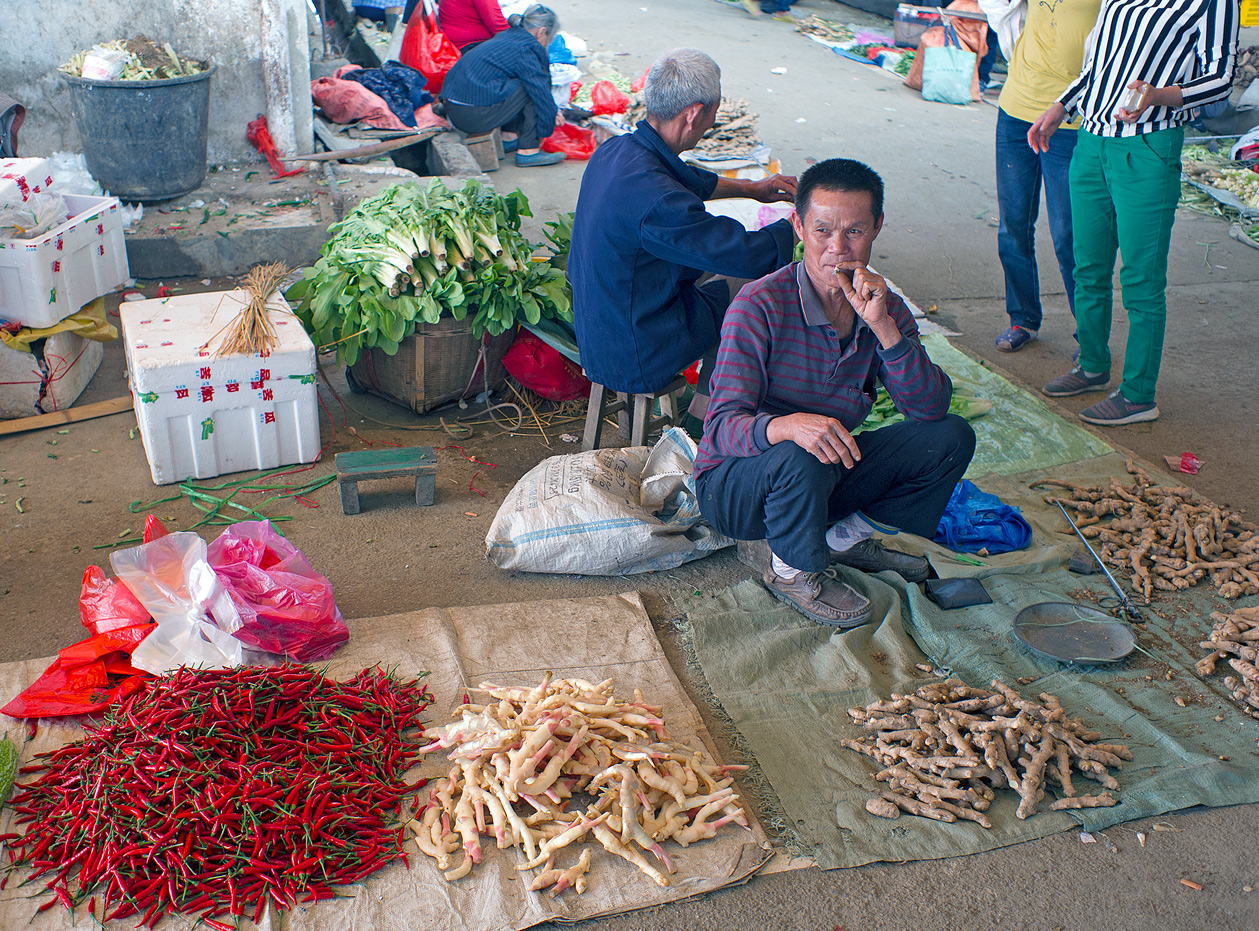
<point x="872" y="556"/>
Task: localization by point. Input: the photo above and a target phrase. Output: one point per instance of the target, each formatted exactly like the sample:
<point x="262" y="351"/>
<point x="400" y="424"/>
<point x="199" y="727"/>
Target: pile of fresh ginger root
<point x="1236" y="636"/>
<point x="1167" y="538"/>
<point x="948" y="746"/>
<point x="524" y="757"/>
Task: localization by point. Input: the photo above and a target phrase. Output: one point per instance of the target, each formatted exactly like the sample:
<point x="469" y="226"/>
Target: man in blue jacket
<point x="642" y="240"/>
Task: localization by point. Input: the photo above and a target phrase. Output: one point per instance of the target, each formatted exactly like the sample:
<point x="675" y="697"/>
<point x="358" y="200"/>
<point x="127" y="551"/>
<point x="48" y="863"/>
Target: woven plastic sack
<point x="974" y="520"/>
<point x="605" y="512"/>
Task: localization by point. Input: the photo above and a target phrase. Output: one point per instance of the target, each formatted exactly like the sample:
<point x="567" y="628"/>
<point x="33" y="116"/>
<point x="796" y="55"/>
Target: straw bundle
<point x="252" y="332"/>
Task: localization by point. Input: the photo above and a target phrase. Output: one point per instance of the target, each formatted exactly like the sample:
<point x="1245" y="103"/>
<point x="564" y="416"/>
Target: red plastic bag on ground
<point x="96" y="672"/>
<point x="638" y="85"/>
<point x="286" y="607"/>
<point x="576" y="143"/>
<point x="544" y="370"/>
<point x="428" y="50"/>
<point x="605" y="98"/>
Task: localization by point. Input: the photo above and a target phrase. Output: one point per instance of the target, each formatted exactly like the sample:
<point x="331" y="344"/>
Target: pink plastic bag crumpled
<point x="286" y="606"/>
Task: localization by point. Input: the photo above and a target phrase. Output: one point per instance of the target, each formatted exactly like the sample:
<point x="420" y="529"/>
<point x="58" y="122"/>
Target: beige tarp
<point x="594" y="638"/>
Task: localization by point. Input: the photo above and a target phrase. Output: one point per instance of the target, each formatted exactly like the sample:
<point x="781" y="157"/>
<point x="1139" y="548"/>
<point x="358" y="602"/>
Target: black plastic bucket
<point x="144" y="140"/>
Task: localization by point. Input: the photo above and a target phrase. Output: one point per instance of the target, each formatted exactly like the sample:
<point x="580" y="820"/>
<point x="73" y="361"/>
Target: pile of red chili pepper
<point x="216" y="792"/>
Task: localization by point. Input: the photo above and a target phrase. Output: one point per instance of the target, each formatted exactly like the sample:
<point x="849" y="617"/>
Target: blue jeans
<point x="776" y="6"/>
<point x="1020" y="173"/>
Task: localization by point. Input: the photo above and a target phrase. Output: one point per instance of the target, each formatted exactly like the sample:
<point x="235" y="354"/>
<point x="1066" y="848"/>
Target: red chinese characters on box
<point x="232" y="387"/>
<point x="181" y="392"/>
<point x="268" y="417"/>
<point x="207" y="393"/>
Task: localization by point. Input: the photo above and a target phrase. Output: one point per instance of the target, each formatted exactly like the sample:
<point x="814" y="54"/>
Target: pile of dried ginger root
<point x="1236" y="637"/>
<point x="948" y="746"/>
<point x="1166" y="538"/>
<point x="546" y="767"/>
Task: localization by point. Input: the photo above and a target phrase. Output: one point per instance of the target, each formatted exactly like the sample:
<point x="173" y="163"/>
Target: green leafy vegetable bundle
<point x="411" y="254"/>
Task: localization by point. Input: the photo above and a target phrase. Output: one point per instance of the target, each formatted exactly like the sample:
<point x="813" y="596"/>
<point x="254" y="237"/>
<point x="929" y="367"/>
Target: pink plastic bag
<point x="286" y="606"/>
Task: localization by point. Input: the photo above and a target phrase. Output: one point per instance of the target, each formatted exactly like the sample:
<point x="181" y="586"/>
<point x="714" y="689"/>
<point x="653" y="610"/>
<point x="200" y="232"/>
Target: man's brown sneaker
<point x="820" y="598"/>
<point x="872" y="556"/>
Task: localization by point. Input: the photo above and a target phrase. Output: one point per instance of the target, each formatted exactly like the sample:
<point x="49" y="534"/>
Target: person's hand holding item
<point x="1045" y="126"/>
<point x="773" y="188"/>
<point x="1141" y="95"/>
<point x="866" y="291"/>
<point x="824" y="437"/>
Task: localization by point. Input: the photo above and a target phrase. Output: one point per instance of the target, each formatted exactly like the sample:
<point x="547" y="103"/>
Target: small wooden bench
<point x="354" y="467"/>
<point x="486" y="148"/>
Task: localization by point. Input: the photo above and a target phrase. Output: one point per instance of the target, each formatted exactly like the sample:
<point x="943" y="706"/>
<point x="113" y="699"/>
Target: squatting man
<point x="802" y="352"/>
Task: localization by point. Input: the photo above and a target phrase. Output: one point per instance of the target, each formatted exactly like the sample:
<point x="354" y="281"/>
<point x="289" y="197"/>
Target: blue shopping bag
<point x="947" y="71"/>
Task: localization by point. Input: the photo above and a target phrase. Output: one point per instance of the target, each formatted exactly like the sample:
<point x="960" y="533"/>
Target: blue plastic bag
<point x="974" y="520"/>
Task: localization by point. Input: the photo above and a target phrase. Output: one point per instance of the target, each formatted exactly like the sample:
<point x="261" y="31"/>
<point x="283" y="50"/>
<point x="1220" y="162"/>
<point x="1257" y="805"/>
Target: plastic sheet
<point x="285" y="606"/>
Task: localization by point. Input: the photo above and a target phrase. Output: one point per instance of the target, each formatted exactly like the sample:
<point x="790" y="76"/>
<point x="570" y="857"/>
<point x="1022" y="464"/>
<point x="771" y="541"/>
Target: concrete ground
<point x="939" y="245"/>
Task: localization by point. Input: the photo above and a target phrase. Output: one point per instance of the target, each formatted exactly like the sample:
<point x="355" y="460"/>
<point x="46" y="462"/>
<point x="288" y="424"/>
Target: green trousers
<point x="1123" y="197"/>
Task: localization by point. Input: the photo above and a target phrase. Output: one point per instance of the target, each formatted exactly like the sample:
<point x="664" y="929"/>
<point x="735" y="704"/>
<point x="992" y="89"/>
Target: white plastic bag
<point x="195" y="617"/>
<point x="40" y="213"/>
<point x="104" y="64"/>
<point x="605" y="512"/>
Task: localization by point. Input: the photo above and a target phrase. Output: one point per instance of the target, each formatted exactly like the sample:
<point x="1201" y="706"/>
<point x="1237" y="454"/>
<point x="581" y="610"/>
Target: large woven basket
<point x="440" y="363"/>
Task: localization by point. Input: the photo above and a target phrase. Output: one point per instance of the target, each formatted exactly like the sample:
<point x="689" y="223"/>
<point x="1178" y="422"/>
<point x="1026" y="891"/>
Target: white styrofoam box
<point x="26" y="390"/>
<point x="22" y="177"/>
<point x="202" y="416"/>
<point x="46" y="279"/>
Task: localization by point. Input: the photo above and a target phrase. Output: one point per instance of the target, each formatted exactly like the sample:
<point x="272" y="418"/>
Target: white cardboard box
<point x="46" y="279"/>
<point x="202" y="416"/>
<point x="26" y="390"/>
<point x="22" y="177"/>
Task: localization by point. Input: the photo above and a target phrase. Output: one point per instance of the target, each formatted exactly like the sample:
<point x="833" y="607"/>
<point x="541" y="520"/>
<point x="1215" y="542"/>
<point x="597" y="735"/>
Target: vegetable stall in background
<point x="412" y="254"/>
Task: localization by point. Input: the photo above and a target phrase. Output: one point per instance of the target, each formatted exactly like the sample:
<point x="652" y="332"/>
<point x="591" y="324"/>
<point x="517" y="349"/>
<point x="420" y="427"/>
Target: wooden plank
<point x="366" y="151"/>
<point x="69" y="415"/>
<point x="403" y="460"/>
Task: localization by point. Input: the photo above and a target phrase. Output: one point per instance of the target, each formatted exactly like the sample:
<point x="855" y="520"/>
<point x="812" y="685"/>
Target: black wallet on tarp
<point x="957" y="593"/>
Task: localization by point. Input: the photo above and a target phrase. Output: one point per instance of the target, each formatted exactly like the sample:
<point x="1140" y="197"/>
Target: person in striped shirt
<point x="1153" y="62"/>
<point x="801" y="353"/>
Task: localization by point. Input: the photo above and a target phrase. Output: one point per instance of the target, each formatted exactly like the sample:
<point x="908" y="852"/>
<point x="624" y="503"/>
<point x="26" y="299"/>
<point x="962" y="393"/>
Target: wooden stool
<point x="354" y="467"/>
<point x="633" y="417"/>
<point x="486" y="148"/>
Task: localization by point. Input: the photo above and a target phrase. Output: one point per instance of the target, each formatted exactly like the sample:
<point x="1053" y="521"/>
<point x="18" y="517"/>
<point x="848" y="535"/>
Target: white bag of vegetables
<point x="605" y="512"/>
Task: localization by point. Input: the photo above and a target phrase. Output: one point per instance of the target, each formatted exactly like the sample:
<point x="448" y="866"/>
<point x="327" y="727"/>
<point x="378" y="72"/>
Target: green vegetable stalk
<point x="412" y="254"/>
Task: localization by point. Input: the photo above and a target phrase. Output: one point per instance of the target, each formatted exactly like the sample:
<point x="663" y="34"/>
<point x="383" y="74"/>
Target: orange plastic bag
<point x="576" y="143"/>
<point x="428" y="50"/>
<point x="605" y="98"/>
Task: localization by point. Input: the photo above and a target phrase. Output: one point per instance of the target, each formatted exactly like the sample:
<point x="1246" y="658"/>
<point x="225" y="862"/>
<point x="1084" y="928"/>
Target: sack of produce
<point x="605" y="512"/>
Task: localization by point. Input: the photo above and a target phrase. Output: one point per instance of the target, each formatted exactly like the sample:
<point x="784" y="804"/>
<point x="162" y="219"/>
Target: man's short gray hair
<point x="677" y="80"/>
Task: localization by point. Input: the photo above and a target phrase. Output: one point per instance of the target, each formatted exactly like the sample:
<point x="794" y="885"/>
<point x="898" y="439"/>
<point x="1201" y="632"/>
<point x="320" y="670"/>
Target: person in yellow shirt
<point x="1044" y="45"/>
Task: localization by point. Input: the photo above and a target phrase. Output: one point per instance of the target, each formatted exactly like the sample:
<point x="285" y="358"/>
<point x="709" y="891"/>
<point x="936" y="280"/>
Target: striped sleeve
<point x="919" y="387"/>
<point x="1190" y="44"/>
<point x="1217" y="55"/>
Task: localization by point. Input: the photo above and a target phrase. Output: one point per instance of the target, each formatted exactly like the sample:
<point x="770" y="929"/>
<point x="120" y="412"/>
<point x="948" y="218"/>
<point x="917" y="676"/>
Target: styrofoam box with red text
<point x="202" y="415"/>
<point x="22" y="177"/>
<point x="46" y="279"/>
